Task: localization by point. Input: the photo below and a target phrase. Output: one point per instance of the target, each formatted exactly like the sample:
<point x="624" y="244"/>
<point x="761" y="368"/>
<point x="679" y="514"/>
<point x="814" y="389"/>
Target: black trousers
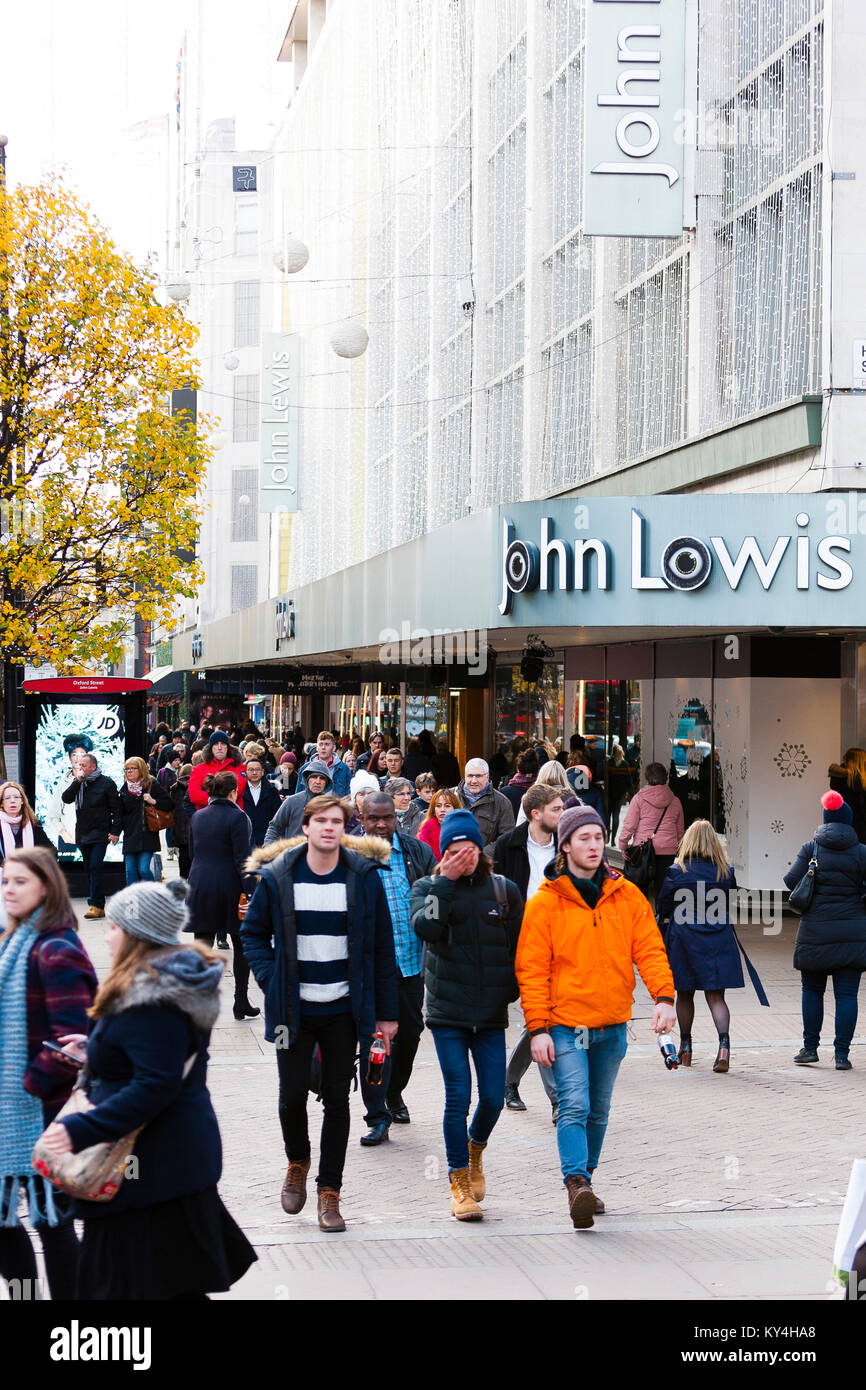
<point x="337" y="1038"/>
<point x="240" y="969"/>
<point x="184" y="863"/>
<point x="398" y="1067"/>
<point x="93" y="856"/>
<point x="60" y="1247"/>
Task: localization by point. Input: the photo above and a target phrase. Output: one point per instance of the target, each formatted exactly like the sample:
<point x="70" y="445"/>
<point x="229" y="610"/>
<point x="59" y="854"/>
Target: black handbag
<point x="800" y="897"/>
<point x="639" y="861"/>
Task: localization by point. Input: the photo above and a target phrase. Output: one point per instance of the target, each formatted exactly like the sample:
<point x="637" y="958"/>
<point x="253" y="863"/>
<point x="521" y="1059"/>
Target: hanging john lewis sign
<point x="634" y="73"/>
<point x="677" y="560"/>
<point x="278" y="485"/>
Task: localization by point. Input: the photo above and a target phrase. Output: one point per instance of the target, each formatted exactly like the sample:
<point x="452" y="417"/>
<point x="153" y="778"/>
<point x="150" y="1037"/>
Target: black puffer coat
<point x="832" y="934"/>
<point x="469" y="962"/>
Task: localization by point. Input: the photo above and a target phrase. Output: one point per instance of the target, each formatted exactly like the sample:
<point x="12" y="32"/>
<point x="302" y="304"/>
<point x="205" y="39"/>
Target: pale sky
<point x="76" y="75"/>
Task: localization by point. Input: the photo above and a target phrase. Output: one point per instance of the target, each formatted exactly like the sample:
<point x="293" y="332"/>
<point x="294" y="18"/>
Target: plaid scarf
<point x="21" y="1116"/>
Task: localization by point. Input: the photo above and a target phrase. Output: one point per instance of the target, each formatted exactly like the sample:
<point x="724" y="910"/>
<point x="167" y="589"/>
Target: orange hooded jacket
<point x="575" y="964"/>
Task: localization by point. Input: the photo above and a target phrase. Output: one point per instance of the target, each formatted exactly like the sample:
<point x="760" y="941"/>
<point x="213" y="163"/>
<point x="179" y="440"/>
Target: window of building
<point x="244" y="587"/>
<point x="247" y="313"/>
<point x="245" y="504"/>
<point x="245" y="420"/>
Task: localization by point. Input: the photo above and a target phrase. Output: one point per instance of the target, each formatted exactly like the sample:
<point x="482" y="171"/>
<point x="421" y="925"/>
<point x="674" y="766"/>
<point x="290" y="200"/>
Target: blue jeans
<point x="453" y="1048"/>
<point x="846" y="983"/>
<point x="585" y="1069"/>
<point x="138" y="868"/>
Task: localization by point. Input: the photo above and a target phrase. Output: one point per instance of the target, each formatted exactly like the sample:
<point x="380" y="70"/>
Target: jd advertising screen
<point x="63" y="731"/>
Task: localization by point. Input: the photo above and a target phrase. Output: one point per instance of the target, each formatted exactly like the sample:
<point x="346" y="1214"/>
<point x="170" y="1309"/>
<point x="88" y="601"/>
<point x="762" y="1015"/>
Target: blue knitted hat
<point x="459" y="826"/>
<point x="836" y="809"/>
<point x="219" y="736"/>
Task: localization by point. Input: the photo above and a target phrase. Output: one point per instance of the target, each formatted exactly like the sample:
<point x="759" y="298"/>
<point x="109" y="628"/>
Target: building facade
<point x="431" y="159"/>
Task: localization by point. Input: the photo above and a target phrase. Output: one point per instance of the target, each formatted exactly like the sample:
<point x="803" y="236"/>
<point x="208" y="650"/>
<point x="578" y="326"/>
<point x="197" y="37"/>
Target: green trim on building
<point x="769" y="435"/>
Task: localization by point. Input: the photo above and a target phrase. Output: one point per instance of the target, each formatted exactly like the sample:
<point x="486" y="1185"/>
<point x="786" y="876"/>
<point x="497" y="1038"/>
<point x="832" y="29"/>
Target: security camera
<point x="466" y="294"/>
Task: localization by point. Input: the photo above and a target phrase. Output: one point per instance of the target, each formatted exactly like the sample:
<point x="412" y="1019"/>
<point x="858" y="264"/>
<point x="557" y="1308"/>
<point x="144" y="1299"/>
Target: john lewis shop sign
<point x="784" y="559"/>
<point x="634" y="67"/>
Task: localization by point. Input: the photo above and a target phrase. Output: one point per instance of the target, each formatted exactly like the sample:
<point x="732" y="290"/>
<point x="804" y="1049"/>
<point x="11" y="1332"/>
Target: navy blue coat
<point x="219" y="843"/>
<point x="261" y="816"/>
<point x="136" y="1056"/>
<point x="832" y="934"/>
<point x="270" y="941"/>
<point x="703" y="953"/>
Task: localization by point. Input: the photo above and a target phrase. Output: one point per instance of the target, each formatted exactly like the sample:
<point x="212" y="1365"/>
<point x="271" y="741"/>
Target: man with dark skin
<point x="410" y="859"/>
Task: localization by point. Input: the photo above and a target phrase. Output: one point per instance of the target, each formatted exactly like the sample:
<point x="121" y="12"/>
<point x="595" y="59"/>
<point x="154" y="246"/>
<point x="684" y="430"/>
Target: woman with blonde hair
<point x="441" y="802"/>
<point x="849" y="779"/>
<point x="19" y="828"/>
<point x="47" y="984"/>
<point x="140" y="843"/>
<point x="702" y="946"/>
<point x="165" y="1235"/>
<point x="551" y="774"/>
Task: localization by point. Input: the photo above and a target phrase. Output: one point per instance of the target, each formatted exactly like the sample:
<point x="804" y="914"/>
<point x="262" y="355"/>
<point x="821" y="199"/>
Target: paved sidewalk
<point x="717" y="1187"/>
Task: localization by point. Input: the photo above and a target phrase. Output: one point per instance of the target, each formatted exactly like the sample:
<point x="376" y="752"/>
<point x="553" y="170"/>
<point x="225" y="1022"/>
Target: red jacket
<point x="197" y="794"/>
<point x="428" y="833"/>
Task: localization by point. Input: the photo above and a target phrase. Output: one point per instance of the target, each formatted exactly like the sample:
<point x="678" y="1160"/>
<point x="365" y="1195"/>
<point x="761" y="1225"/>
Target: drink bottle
<point x="376" y="1063"/>
<point x="668" y="1049"/>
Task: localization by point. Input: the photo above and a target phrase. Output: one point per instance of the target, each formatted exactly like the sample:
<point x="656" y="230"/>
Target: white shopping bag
<point x="852" y="1223"/>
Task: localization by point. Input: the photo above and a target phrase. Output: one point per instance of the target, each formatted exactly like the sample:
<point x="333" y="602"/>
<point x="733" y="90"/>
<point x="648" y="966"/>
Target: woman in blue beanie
<point x="166" y="1234"/>
<point x="470" y="919"/>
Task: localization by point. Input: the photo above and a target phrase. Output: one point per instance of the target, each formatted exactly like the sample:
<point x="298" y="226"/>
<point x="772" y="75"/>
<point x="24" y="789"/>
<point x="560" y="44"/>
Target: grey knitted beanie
<point x="151" y="911"/>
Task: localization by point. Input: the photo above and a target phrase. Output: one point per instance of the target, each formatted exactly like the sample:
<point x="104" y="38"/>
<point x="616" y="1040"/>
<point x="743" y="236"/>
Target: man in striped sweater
<point x="319" y="940"/>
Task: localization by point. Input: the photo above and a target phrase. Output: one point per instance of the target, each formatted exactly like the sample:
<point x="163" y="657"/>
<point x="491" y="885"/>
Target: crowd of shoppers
<point x="369" y="899"/>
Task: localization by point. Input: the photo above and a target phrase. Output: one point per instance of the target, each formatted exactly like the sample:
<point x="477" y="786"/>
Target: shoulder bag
<point x="94" y="1174"/>
<point x="156" y="819"/>
<point x="639" y="861"/>
<point x="800" y="897"/>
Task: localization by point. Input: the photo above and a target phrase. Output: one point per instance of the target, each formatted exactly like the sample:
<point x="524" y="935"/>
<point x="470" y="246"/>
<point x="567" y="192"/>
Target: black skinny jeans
<point x="337" y="1039"/>
<point x="240" y="969"/>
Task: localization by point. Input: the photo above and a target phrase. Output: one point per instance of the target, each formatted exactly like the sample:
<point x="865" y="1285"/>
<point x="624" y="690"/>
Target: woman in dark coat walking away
<point x="470" y="920"/>
<point x="219" y="842"/>
<point x="849" y="779"/>
<point x="47" y="984"/>
<point x="139" y="843"/>
<point x="832" y="936"/>
<point x="180" y="805"/>
<point x="165" y="1235"/>
<point x="701" y="943"/>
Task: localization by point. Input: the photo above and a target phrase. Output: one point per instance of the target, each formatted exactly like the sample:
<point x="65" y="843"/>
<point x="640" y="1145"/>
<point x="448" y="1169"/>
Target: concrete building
<point x="432" y="160"/>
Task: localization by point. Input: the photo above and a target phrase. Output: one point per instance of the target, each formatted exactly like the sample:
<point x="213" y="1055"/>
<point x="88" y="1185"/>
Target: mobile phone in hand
<point x="61" y="1051"/>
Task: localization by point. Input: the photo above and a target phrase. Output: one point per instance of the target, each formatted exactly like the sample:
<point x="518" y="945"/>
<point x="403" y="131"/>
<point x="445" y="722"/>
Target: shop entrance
<point x="466" y="724"/>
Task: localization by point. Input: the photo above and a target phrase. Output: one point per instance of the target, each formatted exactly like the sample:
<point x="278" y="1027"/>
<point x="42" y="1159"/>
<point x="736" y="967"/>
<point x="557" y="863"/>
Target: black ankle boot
<point x="723" y="1056"/>
<point x="245" y="1010"/>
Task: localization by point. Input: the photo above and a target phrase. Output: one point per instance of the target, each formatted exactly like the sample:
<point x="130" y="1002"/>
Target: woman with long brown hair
<point x="140" y="843"/>
<point x="441" y="802"/>
<point x="849" y="779"/>
<point x="166" y="1234"/>
<point x="47" y="983"/>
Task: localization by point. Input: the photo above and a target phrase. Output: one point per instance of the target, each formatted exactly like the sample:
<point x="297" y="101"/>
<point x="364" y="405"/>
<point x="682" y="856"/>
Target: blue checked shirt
<point x="408" y="947"/>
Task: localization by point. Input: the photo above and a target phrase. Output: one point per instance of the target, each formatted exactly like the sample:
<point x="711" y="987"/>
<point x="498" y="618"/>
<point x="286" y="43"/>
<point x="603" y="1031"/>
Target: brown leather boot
<point x="581" y="1202"/>
<point x="599" y="1204"/>
<point x="476" y="1173"/>
<point x="294" y="1193"/>
<point x="330" y="1218"/>
<point x="463" y="1204"/>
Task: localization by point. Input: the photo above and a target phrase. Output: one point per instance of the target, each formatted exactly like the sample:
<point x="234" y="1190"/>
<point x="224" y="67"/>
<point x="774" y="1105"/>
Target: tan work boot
<point x="95" y="912"/>
<point x="330" y="1218"/>
<point x="463" y="1204"/>
<point x="294" y="1193"/>
<point x="581" y="1202"/>
<point x="476" y="1172"/>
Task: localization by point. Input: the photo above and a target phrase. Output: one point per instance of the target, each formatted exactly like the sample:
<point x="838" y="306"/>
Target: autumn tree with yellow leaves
<point x="99" y="483"/>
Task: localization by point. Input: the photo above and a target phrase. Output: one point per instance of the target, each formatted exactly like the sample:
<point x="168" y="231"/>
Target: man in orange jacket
<point x="583" y="932"/>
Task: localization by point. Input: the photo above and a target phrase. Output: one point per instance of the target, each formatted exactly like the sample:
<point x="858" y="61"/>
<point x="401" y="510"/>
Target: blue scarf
<point x="471" y="797"/>
<point x="21" y="1117"/>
